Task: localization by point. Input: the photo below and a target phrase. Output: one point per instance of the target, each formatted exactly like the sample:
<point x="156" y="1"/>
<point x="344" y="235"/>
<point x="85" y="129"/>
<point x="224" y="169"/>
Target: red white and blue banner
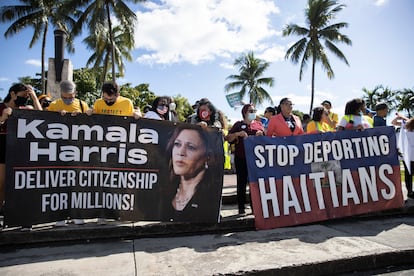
<point x="307" y="178"/>
<point x="102" y="166"/>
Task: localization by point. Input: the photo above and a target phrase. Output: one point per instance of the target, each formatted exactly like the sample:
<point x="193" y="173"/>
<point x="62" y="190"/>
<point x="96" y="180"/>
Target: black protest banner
<point x="102" y="166"/>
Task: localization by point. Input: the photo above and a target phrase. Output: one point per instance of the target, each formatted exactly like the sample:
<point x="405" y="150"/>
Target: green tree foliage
<point x="405" y="98"/>
<point x="87" y="85"/>
<point x="97" y="14"/>
<point x="184" y="108"/>
<point x="38" y="15"/>
<point x="250" y="80"/>
<point x="99" y="43"/>
<point x="377" y="95"/>
<point x="318" y="16"/>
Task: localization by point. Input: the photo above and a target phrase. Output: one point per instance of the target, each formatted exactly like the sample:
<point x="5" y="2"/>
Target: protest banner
<point x="103" y="166"/>
<point x="307" y="178"/>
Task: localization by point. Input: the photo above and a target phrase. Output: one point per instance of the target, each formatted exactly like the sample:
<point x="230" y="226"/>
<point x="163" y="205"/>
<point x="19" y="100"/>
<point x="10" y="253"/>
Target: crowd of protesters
<point x="276" y="121"/>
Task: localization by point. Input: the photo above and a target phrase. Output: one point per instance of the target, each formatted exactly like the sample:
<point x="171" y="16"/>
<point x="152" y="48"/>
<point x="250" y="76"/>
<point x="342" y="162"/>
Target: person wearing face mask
<point x="285" y="123"/>
<point x="207" y="115"/>
<point x="249" y="126"/>
<point x="44" y="100"/>
<point x="112" y="103"/>
<point x="17" y="98"/>
<point x="159" y="109"/>
<point x="68" y="103"/>
<point x="172" y="112"/>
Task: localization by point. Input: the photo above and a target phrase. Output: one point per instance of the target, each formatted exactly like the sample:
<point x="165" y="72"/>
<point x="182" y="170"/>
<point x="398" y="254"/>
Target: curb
<point x="135" y="230"/>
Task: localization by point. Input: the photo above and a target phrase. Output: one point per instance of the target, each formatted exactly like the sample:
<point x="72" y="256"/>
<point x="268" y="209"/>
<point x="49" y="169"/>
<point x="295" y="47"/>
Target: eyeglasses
<point x="252" y="110"/>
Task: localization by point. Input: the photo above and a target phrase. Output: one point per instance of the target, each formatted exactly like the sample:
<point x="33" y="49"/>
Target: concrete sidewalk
<point x="231" y="247"/>
<point x="334" y="247"/>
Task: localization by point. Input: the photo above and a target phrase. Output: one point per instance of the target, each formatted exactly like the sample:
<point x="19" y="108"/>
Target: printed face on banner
<point x="102" y="166"/>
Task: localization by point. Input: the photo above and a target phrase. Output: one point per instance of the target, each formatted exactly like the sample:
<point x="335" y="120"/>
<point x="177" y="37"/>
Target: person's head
<point x="306" y="118"/>
<point x="248" y="112"/>
<point x="318" y="113"/>
<point x="327" y="104"/>
<point x="171" y="104"/>
<point x="381" y="109"/>
<point x="110" y="92"/>
<point x="18" y="95"/>
<point x="44" y="100"/>
<point x="160" y="106"/>
<point x="206" y="111"/>
<point x="188" y="149"/>
<point x="286" y="106"/>
<point x="269" y="112"/>
<point x="67" y="91"/>
<point x="354" y="107"/>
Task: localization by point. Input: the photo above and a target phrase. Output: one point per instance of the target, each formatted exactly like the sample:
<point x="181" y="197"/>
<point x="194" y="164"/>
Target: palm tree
<point x="40" y="15"/>
<point x="377" y="95"/>
<point x="99" y="42"/>
<point x="250" y="80"/>
<point x="98" y="12"/>
<point x="371" y="97"/>
<point x="406" y="100"/>
<point x="318" y="15"/>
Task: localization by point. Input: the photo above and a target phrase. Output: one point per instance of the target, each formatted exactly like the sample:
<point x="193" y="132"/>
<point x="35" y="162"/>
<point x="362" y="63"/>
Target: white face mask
<point x="172" y="106"/>
<point x="251" y="116"/>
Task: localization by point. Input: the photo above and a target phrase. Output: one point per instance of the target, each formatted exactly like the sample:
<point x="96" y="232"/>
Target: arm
<point x="34" y="98"/>
<point x="232" y="137"/>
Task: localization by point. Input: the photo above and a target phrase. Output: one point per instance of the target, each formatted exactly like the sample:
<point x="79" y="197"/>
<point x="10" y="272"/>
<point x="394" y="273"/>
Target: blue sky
<point x="187" y="48"/>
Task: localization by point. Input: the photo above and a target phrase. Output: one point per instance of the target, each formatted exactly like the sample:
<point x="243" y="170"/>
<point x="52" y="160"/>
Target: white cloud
<point x="380" y="2"/>
<point x="197" y="31"/>
<point x="34" y="62"/>
<point x="4" y="79"/>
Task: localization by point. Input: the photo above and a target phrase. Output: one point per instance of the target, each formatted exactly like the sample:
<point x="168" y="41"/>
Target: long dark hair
<point x="214" y="116"/>
<point x="155" y="105"/>
<point x="353" y="106"/>
<point x="18" y="87"/>
<point x="317" y="113"/>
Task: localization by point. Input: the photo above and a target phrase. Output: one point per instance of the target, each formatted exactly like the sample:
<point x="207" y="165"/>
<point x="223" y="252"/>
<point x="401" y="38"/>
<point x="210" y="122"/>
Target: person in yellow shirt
<point x="318" y="123"/>
<point x="332" y="118"/>
<point x="68" y="101"/>
<point x="112" y="103"/>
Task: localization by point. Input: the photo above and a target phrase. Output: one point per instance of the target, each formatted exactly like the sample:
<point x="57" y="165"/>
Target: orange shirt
<point x="278" y="126"/>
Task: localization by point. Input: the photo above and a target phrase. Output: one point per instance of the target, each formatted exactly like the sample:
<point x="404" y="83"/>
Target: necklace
<point x="181" y="200"/>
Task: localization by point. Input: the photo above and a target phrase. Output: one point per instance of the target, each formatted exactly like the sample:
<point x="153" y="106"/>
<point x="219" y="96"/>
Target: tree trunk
<point x="112" y="42"/>
<point x="313" y="85"/>
<point x="43" y="81"/>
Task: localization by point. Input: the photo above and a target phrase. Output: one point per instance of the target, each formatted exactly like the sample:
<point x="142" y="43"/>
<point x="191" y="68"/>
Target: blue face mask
<point x="251" y="116"/>
<point x="68" y="101"/>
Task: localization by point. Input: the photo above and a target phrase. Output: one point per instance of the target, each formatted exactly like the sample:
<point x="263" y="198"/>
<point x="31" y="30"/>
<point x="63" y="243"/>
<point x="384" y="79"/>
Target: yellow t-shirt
<point x="316" y="127"/>
<point x="58" y="105"/>
<point x="122" y="107"/>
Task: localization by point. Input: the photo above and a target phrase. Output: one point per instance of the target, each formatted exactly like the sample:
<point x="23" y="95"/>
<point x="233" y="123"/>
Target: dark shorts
<point x="3" y="148"/>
